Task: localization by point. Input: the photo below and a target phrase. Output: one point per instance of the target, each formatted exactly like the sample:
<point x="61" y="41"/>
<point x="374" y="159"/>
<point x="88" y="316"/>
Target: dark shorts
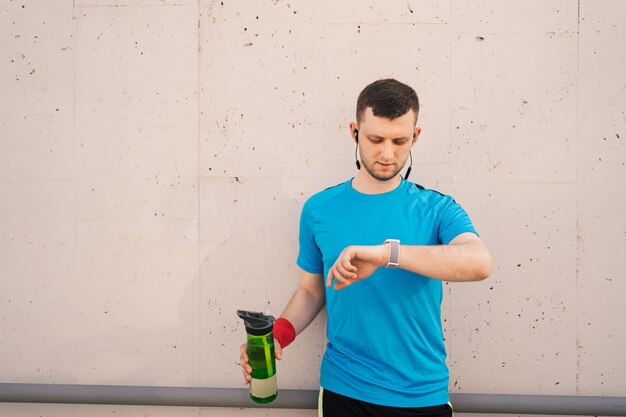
<point x="335" y="405"/>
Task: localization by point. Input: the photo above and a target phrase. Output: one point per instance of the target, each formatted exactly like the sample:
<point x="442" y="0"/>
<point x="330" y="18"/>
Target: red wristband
<point x="284" y="332"/>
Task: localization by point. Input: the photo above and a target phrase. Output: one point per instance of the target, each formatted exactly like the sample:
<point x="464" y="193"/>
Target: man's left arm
<point x="464" y="258"/>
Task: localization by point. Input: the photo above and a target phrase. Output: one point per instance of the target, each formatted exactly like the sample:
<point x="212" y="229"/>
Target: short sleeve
<point x="454" y="221"/>
<point x="309" y="257"/>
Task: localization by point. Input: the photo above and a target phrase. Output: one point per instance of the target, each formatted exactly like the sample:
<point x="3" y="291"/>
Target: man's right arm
<point x="306" y="302"/>
<point x="302" y="308"/>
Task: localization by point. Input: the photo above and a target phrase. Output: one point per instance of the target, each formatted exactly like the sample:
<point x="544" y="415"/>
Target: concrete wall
<point x="155" y="155"/>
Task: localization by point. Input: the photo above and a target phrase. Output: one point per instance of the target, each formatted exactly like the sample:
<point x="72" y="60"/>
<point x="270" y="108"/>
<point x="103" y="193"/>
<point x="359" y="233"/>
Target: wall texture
<point x="155" y="155"/>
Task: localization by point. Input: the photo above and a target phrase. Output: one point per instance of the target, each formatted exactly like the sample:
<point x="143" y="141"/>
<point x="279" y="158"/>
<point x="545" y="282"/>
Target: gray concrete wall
<point x="155" y="155"/>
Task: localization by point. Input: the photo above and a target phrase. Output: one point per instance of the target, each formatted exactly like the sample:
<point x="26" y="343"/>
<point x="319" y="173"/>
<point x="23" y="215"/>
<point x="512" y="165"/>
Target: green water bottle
<point x="259" y="328"/>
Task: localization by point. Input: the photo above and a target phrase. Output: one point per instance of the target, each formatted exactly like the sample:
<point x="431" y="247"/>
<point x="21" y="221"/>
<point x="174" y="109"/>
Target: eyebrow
<point x="382" y="138"/>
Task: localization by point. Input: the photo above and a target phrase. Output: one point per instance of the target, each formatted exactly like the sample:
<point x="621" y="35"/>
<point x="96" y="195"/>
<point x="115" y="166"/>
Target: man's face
<point x="385" y="144"/>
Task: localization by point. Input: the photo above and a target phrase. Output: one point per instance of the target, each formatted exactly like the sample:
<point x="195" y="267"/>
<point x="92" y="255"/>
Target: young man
<point x="374" y="251"/>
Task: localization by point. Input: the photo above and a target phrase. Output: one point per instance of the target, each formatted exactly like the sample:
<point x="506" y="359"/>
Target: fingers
<point x="344" y="271"/>
<point x="342" y="280"/>
<point x="278" y="351"/>
<point x="331" y="276"/>
<point x="341" y="284"/>
<point x="334" y="273"/>
<point x="245" y="367"/>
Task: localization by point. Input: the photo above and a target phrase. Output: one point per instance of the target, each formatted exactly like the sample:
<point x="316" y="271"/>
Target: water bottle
<point x="261" y="355"/>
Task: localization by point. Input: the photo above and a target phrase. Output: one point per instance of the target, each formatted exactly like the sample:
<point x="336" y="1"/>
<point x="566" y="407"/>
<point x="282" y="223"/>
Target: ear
<point x="353" y="128"/>
<point x="416" y="134"/>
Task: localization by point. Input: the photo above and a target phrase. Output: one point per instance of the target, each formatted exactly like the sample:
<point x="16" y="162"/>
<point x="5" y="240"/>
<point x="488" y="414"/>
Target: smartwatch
<point x="394" y="253"/>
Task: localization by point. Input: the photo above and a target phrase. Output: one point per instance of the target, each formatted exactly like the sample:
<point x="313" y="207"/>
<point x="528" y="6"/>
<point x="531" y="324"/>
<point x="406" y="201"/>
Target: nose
<point x="387" y="150"/>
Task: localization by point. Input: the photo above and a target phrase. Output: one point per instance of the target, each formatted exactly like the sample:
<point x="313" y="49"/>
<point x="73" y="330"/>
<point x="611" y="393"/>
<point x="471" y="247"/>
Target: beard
<point x="381" y="176"/>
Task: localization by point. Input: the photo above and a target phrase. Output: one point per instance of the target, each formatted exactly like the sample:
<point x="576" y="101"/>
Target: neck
<point x="366" y="184"/>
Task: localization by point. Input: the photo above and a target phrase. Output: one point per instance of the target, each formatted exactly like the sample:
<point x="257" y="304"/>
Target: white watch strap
<point x="394" y="253"/>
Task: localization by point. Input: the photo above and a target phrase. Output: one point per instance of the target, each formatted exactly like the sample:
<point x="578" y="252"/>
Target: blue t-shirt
<point x="385" y="340"/>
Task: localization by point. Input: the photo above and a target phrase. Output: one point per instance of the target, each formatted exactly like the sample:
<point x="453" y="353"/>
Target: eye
<point x="400" y="141"/>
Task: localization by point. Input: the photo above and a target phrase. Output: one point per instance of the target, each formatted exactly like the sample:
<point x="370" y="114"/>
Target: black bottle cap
<point x="257" y="324"/>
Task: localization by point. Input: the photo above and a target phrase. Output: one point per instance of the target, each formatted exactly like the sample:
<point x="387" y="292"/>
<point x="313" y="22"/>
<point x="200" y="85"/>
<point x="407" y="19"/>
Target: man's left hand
<point x="356" y="263"/>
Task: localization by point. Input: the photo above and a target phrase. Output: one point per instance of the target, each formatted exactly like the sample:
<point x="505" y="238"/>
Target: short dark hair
<point x="388" y="98"/>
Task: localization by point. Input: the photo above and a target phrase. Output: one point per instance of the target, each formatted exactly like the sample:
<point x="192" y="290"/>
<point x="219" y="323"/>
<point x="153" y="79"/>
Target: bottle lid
<point x="257" y="324"/>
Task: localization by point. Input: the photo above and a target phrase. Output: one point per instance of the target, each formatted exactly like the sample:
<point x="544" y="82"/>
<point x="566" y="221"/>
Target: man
<point x="374" y="251"/>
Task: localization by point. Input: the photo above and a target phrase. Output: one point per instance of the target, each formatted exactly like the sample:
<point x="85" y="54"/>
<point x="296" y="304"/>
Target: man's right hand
<point x="245" y="366"/>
